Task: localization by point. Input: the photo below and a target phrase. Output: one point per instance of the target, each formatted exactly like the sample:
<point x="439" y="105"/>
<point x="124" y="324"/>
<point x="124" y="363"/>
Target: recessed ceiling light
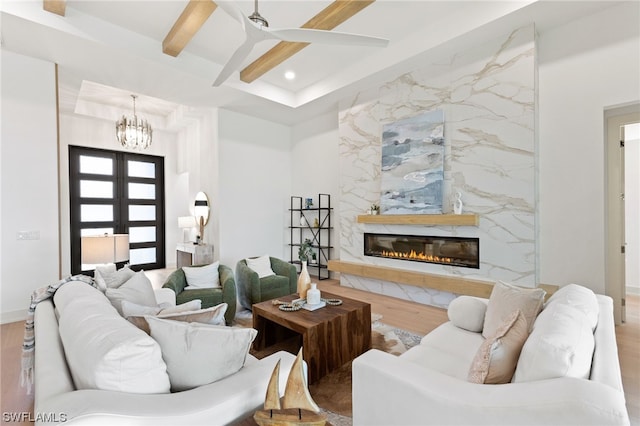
<point x="289" y="75"/>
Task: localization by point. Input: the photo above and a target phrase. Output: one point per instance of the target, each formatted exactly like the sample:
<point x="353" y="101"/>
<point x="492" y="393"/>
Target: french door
<point x="116" y="192"/>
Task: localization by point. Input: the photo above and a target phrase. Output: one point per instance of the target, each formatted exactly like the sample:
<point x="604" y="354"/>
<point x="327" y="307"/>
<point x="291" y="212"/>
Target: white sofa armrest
<point x="165" y="295"/>
<point x="605" y="367"/>
<point x="223" y="402"/>
<point x="423" y="396"/>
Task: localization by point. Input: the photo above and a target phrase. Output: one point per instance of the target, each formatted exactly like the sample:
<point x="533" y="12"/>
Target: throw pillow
<point x="202" y="276"/>
<point x="581" y="298"/>
<point x="213" y="316"/>
<point x="560" y="345"/>
<point x="467" y="312"/>
<point x="198" y="354"/>
<point x="192" y="305"/>
<point x="130" y="309"/>
<point x="137" y="290"/>
<point x="506" y="299"/>
<point x="114" y="279"/>
<point x="103" y="269"/>
<point x="261" y="265"/>
<point x="497" y="357"/>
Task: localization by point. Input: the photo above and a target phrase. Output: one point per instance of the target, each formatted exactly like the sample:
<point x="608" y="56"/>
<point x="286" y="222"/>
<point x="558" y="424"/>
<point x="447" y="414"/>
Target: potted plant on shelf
<point x="375" y="209"/>
<point x="304" y="280"/>
<point x="304" y="252"/>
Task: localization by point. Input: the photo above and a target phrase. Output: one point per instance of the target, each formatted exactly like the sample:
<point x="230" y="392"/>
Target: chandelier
<point x="132" y="132"/>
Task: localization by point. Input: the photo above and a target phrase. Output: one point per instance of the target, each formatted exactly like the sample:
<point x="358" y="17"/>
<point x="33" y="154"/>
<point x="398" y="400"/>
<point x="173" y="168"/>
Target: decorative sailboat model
<point x="297" y="407"/>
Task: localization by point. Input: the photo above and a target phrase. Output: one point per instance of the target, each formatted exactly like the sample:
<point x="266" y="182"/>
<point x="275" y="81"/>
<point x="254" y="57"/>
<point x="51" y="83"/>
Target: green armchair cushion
<point x="177" y="282"/>
<point x="252" y="289"/>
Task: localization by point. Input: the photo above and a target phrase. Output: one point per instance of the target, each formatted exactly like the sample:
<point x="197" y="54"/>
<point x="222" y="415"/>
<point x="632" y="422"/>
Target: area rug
<point x="333" y="392"/>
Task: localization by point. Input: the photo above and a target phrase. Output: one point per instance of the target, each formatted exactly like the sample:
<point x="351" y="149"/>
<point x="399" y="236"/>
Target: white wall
<point x="585" y="67"/>
<point x="314" y="167"/>
<point x="29" y="169"/>
<point x="254" y="187"/>
<point x="315" y="157"/>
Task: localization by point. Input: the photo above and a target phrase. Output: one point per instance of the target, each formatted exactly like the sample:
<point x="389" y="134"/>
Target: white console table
<point x="188" y="254"/>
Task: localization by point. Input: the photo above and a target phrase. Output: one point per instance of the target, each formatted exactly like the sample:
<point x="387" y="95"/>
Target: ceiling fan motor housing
<point x="258" y="19"/>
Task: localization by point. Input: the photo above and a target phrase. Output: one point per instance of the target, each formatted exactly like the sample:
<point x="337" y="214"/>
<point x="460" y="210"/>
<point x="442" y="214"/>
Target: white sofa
<point x="57" y="400"/>
<point x="428" y="384"/>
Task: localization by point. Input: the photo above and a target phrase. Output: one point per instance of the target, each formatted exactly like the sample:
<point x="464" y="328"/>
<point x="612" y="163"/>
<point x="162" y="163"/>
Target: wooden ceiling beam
<point x="55" y="6"/>
<point x="194" y="15"/>
<point x="329" y="18"/>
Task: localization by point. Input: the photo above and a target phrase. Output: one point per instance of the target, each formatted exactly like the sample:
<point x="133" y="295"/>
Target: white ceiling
<point x="107" y="50"/>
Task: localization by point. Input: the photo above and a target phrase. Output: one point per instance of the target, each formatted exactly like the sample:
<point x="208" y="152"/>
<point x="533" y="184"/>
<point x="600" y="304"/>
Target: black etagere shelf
<point x="319" y="235"/>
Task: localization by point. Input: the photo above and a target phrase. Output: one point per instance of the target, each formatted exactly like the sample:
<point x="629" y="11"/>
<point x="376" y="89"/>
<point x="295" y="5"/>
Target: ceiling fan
<point x="257" y="29"/>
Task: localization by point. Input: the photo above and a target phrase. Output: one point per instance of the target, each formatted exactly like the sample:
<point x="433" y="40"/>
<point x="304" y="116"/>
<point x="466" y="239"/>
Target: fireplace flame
<point x="413" y="255"/>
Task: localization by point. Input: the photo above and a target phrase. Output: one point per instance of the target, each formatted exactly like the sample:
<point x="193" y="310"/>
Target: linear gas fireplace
<point x="455" y="251"/>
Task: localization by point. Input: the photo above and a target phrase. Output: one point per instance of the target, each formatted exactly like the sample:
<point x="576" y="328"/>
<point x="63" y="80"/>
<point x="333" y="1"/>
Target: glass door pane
<point x="96" y="213"/>
<point x="137" y="212"/>
<point x="96" y="165"/>
<point x="141" y="169"/>
<point x="96" y="189"/>
<point x="142" y="256"/>
<point x="142" y="191"/>
<point x="142" y="234"/>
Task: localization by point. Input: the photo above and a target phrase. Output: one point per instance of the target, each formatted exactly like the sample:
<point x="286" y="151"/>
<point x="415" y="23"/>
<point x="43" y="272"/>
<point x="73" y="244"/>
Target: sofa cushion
<point x="447" y="349"/>
<point x="507" y="298"/>
<point x="467" y="312"/>
<point x="197" y="354"/>
<point x="560" y="345"/>
<point x="496" y="360"/>
<point x="581" y="298"/>
<point x="261" y="265"/>
<point x="213" y="315"/>
<point x="137" y="290"/>
<point x="103" y="350"/>
<point x="206" y="276"/>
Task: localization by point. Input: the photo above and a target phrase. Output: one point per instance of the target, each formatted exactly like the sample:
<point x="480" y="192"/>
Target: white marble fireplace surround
<point x="488" y="95"/>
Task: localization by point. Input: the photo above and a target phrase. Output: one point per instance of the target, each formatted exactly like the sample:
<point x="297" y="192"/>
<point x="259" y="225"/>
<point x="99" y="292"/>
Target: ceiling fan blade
<point x="235" y="61"/>
<point x="232" y="10"/>
<point x="307" y="35"/>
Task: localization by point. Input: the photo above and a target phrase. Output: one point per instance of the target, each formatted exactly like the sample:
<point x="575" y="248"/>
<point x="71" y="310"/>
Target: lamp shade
<point x="187" y="222"/>
<point x="100" y="249"/>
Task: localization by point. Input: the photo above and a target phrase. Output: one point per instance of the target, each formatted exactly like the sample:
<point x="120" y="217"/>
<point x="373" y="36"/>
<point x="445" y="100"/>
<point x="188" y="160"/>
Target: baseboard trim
<point x="13" y="316"/>
<point x="633" y="290"/>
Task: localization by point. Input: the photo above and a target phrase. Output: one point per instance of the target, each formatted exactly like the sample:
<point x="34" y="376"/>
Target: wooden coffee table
<point x="330" y="336"/>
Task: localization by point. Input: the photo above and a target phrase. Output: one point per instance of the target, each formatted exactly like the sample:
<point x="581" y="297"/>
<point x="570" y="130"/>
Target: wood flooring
<point x="402" y="314"/>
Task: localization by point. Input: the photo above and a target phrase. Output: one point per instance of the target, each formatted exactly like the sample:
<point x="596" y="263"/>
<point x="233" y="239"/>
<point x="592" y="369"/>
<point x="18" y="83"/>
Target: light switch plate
<point x="28" y="235"/>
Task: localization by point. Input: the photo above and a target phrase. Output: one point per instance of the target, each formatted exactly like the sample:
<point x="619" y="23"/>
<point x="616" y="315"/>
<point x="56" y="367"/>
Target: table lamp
<point x="187" y="223"/>
<point x="103" y="249"/>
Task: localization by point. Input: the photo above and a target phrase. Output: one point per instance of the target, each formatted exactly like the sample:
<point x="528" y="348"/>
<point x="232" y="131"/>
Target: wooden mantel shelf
<point x="451" y="284"/>
<point x="421" y="219"/>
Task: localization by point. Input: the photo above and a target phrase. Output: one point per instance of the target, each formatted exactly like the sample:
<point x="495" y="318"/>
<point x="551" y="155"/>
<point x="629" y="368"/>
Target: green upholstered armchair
<point x="252" y="289"/>
<point x="177" y="281"/>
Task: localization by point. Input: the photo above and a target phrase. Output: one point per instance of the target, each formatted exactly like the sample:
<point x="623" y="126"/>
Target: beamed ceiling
<point x="169" y="52"/>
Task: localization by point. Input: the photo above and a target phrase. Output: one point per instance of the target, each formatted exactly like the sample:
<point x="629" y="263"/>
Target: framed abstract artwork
<point x="413" y="165"/>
